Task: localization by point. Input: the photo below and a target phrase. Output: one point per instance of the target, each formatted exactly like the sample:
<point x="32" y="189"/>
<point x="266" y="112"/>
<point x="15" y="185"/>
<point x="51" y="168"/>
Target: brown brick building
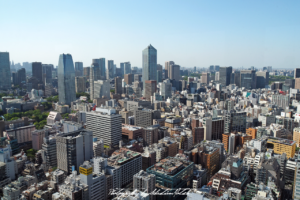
<point x="198" y="135"/>
<point x="131" y="132"/>
<point x="225" y="140"/>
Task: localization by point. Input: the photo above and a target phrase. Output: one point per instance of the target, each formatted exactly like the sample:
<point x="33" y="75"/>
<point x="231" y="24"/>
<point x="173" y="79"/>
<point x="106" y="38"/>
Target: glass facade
<point x="110" y="69"/>
<point x="5" y="76"/>
<point x="149" y="64"/>
<point x="225" y="75"/>
<point x="66" y="79"/>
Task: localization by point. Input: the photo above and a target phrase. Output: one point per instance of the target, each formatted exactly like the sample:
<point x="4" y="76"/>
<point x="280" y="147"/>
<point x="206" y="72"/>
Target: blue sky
<point x="190" y="32"/>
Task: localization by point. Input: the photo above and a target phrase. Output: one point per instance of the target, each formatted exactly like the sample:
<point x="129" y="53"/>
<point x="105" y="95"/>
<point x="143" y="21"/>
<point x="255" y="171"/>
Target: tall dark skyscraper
<point x="5" y="76"/>
<point x="149" y="64"/>
<point x="225" y="75"/>
<point x="118" y="85"/>
<point x="297" y="73"/>
<point x="21" y="76"/>
<point x="37" y="71"/>
<point x="66" y="79"/>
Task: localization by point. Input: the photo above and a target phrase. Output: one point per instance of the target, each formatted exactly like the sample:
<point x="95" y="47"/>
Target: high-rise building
<point x="144" y="181"/>
<point x="159" y="76"/>
<point x="86" y="72"/>
<point x="235" y="121"/>
<point x="122" y="67"/>
<point x="297" y="73"/>
<point x="91" y="81"/>
<point x="110" y="73"/>
<point x="167" y="68"/>
<point x="150" y="88"/>
<point x="37" y="71"/>
<point x="80" y="84"/>
<point x="101" y="88"/>
<point x="166" y="89"/>
<point x="205" y="78"/>
<point x="225" y="75"/>
<point x="66" y="79"/>
<point x="105" y="124"/>
<point x="97" y="70"/>
<point x="150" y="135"/>
<point x="50" y="151"/>
<point x="118" y="85"/>
<point x="296" y="185"/>
<point x="149" y="64"/>
<point x="21" y="76"/>
<point x="248" y="79"/>
<point x="127" y="68"/>
<point x="95" y="181"/>
<point x="174" y="72"/>
<point x="73" y="149"/>
<point x="128" y="79"/>
<point x="262" y="79"/>
<point x="78" y="69"/>
<point x="14" y="78"/>
<point x="47" y="73"/>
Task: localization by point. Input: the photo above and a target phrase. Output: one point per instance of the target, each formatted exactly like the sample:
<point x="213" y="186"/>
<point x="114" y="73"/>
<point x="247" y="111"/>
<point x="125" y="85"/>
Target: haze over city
<point x="193" y="33"/>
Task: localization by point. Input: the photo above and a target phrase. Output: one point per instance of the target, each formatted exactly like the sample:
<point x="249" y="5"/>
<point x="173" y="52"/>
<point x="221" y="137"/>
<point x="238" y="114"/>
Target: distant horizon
<point x="194" y="33"/>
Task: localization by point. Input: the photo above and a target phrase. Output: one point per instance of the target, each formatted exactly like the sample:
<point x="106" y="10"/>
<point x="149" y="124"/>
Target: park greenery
<point x="278" y="78"/>
<point x="39" y="117"/>
<point x="30" y="153"/>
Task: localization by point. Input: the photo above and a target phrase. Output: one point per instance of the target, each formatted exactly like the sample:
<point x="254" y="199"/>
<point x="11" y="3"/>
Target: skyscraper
<point x="149" y="64"/>
<point x="92" y="80"/>
<point x="127" y="68"/>
<point x="248" y="79"/>
<point x="66" y="79"/>
<point x="78" y="69"/>
<point x="174" y="72"/>
<point x="150" y="88"/>
<point x="47" y="73"/>
<point x="73" y="148"/>
<point x="118" y="85"/>
<point x="225" y="75"/>
<point x="37" y="71"/>
<point x="167" y="68"/>
<point x="97" y="69"/>
<point x="21" y="76"/>
<point x="5" y="76"/>
<point x="110" y="70"/>
<point x="262" y="79"/>
<point x="80" y="83"/>
<point x="297" y="73"/>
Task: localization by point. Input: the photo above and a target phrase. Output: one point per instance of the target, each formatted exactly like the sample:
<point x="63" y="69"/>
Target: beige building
<point x="296" y="136"/>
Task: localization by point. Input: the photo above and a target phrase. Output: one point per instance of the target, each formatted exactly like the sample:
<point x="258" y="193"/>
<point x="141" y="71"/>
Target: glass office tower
<point x="5" y="76"/>
<point x="149" y="64"/>
<point x="66" y="79"/>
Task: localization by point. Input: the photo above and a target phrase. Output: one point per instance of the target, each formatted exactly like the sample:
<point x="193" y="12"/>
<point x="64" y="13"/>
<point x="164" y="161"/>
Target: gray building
<point x="50" y="153"/>
<point x="105" y="124"/>
<point x="127" y="68"/>
<point x="78" y="69"/>
<point x="66" y="79"/>
<point x="101" y="88"/>
<point x="37" y="71"/>
<point x="118" y="85"/>
<point x="47" y="73"/>
<point x="21" y="76"/>
<point x="149" y="64"/>
<point x="225" y="75"/>
<point x="166" y="89"/>
<point x="100" y="69"/>
<point x="5" y="76"/>
<point x="144" y="117"/>
<point x="282" y="101"/>
<point x="248" y="79"/>
<point x="235" y="121"/>
<point x="111" y="71"/>
<point x="145" y="182"/>
<point x="73" y="149"/>
<point x="262" y="79"/>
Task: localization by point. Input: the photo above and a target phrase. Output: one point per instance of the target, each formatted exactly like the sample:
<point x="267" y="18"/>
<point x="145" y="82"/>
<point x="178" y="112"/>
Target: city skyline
<point x="207" y="33"/>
